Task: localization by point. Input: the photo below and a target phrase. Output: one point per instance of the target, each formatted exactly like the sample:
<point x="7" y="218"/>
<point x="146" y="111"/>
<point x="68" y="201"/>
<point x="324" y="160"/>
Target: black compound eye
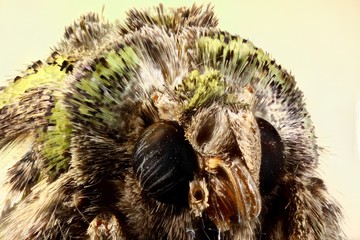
<point x="164" y="162"/>
<point x="272" y="156"/>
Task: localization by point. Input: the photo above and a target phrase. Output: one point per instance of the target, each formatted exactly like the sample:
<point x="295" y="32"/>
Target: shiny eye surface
<point x="164" y="162"/>
<point x="272" y="156"/>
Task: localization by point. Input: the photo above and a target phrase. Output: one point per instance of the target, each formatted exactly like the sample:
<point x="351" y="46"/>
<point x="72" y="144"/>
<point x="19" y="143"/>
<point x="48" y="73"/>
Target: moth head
<point x="209" y="153"/>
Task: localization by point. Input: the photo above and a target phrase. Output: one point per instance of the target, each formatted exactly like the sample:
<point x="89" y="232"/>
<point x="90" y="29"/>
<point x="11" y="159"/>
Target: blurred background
<point x="318" y="41"/>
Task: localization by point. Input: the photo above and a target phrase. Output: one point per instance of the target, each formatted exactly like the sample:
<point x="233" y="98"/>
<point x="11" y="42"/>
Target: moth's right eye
<point x="164" y="162"/>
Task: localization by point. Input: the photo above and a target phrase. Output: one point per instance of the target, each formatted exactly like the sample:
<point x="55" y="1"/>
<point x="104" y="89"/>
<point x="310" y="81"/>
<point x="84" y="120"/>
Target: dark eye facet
<point x="164" y="162"/>
<point x="272" y="156"/>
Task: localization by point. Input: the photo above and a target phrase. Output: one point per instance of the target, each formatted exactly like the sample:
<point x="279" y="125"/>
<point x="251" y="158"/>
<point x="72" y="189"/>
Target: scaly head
<point x="163" y="127"/>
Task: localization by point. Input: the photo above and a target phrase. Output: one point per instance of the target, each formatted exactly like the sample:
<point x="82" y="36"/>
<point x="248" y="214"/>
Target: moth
<point x="160" y="127"/>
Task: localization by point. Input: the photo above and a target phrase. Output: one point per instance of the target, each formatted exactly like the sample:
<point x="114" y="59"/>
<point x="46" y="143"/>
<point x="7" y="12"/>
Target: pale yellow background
<point x="318" y="41"/>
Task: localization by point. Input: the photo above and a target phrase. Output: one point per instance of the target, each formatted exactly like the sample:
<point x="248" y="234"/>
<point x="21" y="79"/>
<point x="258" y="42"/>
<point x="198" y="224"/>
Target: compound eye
<point x="164" y="162"/>
<point x="272" y="156"/>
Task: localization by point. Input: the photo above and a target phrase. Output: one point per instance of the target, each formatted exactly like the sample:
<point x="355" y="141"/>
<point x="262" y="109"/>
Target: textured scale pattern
<point x="161" y="127"/>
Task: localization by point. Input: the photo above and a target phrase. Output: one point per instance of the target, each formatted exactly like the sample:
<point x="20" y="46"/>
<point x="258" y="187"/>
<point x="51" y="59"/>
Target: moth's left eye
<point x="272" y="156"/>
<point x="164" y="162"/>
